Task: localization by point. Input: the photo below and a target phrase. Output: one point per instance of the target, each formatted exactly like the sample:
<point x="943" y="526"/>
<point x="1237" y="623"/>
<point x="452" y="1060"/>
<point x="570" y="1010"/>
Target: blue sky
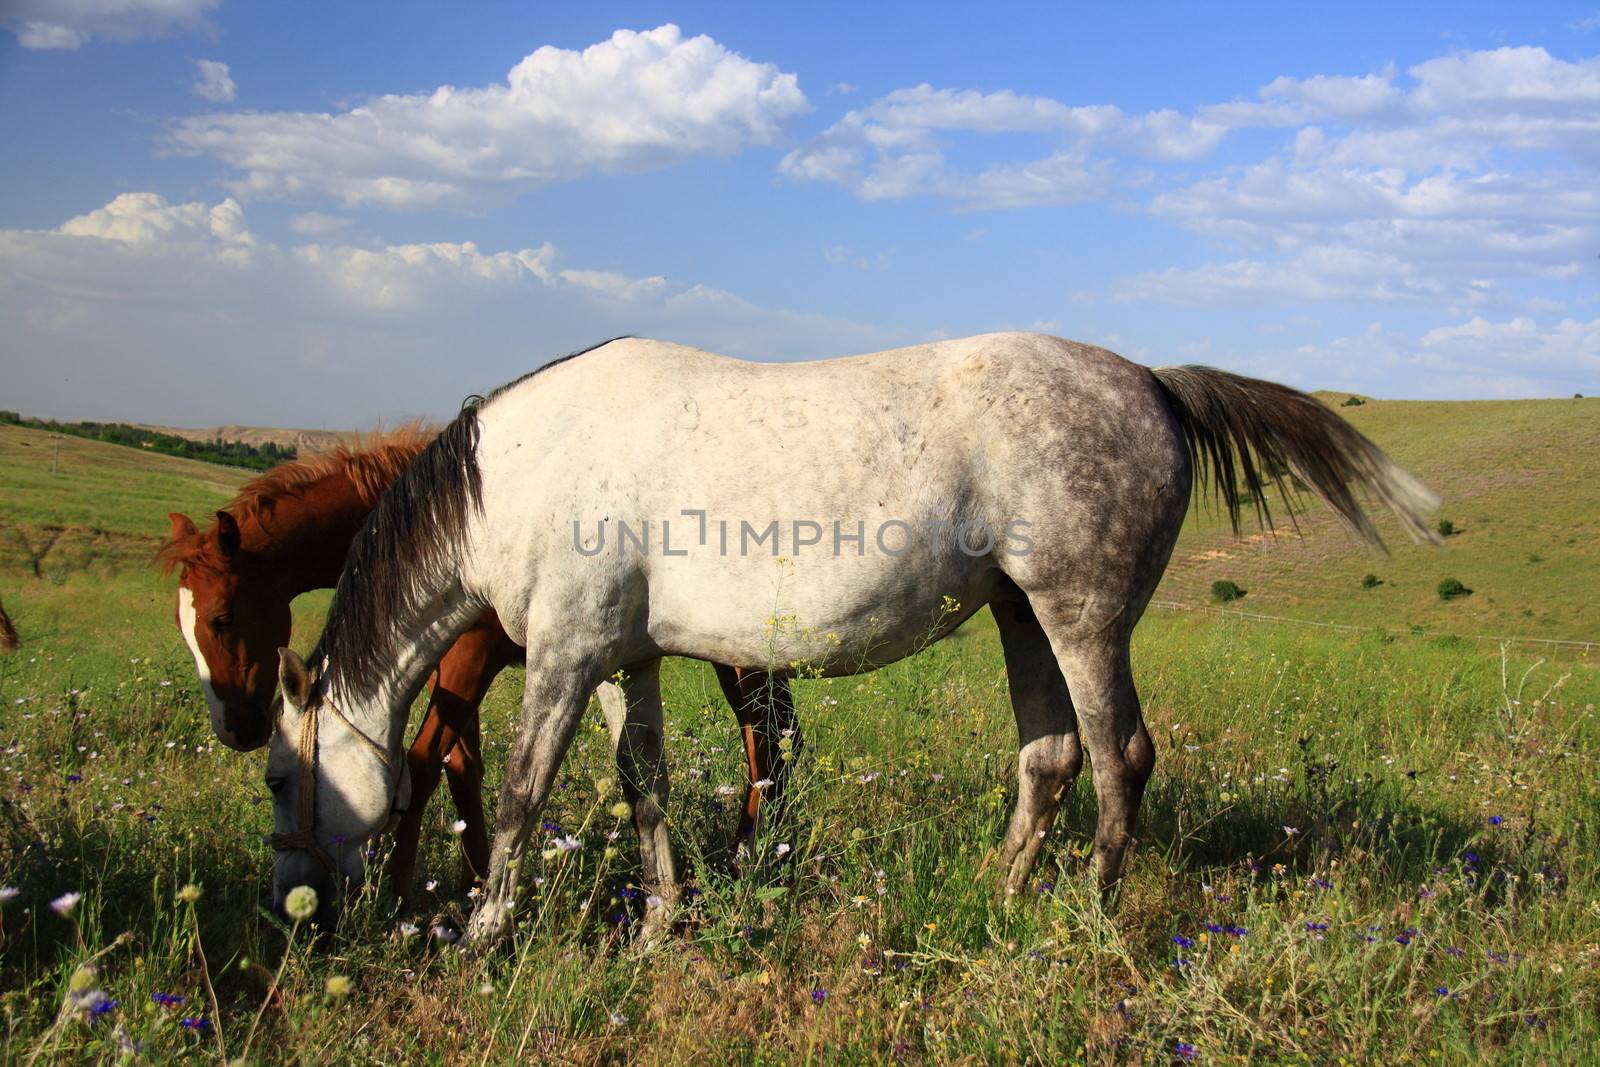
<point x="327" y="215"/>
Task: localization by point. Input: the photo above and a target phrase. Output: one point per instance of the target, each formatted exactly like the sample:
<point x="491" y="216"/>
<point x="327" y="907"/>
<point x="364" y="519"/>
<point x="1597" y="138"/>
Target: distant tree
<point x="1446" y="528"/>
<point x="1452" y="589"/>
<point x="1353" y="402"/>
<point x="1371" y="581"/>
<point x="1224" y="591"/>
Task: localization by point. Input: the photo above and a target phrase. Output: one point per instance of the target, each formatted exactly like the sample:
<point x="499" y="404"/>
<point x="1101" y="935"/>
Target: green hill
<point x="1515" y="485"/>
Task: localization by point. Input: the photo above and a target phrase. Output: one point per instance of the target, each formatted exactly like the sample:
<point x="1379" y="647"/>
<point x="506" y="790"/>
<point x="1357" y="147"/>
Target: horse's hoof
<point x="490" y="925"/>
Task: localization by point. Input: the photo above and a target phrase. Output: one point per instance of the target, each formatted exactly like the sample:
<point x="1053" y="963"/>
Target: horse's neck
<point x="381" y="706"/>
<point x="308" y="535"/>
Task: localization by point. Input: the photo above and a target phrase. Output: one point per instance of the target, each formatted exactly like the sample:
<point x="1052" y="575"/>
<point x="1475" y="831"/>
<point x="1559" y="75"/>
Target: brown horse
<point x="287" y="533"/>
<point x="8" y="632"/>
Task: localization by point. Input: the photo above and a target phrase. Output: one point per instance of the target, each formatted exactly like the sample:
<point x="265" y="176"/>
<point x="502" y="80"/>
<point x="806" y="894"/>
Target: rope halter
<point x="303" y="837"/>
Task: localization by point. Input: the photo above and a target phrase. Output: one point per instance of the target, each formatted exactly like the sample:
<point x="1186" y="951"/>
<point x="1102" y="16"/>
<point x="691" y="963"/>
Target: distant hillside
<point x="303" y="441"/>
<point x="1518" y="486"/>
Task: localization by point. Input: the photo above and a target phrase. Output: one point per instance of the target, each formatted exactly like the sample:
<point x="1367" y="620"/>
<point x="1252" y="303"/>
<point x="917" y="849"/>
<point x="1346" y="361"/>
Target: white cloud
<point x="896" y="146"/>
<point x="316" y="224"/>
<point x="213" y="81"/>
<point x="635" y="102"/>
<point x="179" y="313"/>
<point x="67" y="24"/>
<point x="1476" y="358"/>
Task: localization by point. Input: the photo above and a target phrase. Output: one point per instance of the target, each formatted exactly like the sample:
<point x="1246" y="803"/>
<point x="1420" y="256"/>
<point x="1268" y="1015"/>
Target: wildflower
<point x="818" y="995"/>
<point x="459" y="826"/>
<point x="722" y="791"/>
<point x="95" y="1004"/>
<point x="653" y="901"/>
<point x="431" y="884"/>
<point x="1495" y="820"/>
<point x="198" y="1023"/>
<point x="1185" y="1050"/>
<point x="567" y="844"/>
<point x="618" y="1019"/>
<point x="301" y="903"/>
<point x="765" y="783"/>
<point x="445" y="934"/>
<point x="189" y="894"/>
<point x="1290" y="831"/>
<point x="782" y="850"/>
<point x="604" y="785"/>
<point x="1182" y="942"/>
<point x="863" y="939"/>
<point x="8" y="893"/>
<point x="64" y="904"/>
<point x="168" y="1000"/>
<point x="338" y="986"/>
<point x="621" y="810"/>
<point x="1322" y="883"/>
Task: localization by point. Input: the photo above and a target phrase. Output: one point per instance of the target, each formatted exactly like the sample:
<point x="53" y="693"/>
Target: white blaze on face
<point x="187" y="622"/>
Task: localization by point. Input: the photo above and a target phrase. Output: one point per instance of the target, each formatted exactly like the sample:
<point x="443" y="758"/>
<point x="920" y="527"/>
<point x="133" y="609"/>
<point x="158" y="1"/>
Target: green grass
<point x="1390" y="755"/>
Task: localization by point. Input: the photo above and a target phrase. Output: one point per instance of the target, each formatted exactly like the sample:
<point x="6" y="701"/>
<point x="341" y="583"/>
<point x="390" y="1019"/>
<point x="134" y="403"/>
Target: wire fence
<point x="1251" y="616"/>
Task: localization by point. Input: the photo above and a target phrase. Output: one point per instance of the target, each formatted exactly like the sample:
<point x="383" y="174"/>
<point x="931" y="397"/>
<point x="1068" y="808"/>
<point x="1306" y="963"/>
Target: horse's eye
<point x="221" y="622"/>
<point x="276" y="784"/>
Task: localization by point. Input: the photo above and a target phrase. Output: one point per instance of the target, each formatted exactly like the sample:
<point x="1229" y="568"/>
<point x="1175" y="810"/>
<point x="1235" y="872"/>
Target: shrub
<point x="1371" y="581"/>
<point x="1446" y="528"/>
<point x="1451" y="588"/>
<point x="1223" y="591"/>
<point x="1352" y="402"/>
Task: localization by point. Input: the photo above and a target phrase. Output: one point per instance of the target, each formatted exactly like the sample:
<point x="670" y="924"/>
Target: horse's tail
<point x="1244" y="433"/>
<point x="8" y="632"/>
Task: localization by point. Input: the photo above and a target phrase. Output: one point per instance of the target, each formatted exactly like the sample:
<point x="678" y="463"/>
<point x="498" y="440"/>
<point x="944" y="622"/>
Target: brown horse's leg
<point x="449" y="741"/>
<point x="465" y="675"/>
<point x="425" y="762"/>
<point x="764" y="707"/>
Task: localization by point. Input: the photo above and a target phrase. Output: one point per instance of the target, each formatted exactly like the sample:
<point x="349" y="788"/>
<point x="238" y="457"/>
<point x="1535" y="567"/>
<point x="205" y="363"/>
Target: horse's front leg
<point x="763" y="704"/>
<point x="642" y="766"/>
<point x="556" y="694"/>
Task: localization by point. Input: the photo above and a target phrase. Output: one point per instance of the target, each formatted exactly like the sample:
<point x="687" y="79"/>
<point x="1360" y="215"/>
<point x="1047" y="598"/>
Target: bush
<point x="1451" y="588"/>
<point x="1446" y="528"/>
<point x="1371" y="581"/>
<point x="1223" y="591"/>
<point x="1352" y="402"/>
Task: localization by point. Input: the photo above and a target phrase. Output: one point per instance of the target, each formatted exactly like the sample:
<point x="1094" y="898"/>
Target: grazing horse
<point x="287" y="532"/>
<point x="633" y="503"/>
<point x="8" y="632"/>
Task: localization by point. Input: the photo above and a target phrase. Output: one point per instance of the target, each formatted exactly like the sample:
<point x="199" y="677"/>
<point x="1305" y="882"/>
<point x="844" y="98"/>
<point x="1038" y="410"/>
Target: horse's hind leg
<point x="1121" y="754"/>
<point x="556" y="694"/>
<point x="1049" y="756"/>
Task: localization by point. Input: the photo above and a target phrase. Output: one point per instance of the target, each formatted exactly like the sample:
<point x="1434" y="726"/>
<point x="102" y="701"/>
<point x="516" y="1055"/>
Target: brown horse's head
<point x="234" y="615"/>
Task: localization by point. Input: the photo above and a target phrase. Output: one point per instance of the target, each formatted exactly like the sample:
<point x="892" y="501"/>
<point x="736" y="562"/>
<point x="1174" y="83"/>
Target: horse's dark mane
<point x="408" y="546"/>
<point x="553" y="363"/>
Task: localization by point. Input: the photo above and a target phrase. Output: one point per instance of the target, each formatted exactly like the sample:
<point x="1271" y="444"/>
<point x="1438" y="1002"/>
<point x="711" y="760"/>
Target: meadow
<point x="1373" y="845"/>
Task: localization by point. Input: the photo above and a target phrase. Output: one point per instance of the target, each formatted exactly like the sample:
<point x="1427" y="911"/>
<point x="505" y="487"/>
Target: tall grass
<point x="1355" y="846"/>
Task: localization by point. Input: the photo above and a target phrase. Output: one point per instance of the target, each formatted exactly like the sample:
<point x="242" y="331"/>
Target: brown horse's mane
<point x="371" y="462"/>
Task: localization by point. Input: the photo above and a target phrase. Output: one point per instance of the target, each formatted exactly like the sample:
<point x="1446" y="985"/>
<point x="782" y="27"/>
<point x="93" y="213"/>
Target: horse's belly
<point x="834" y="615"/>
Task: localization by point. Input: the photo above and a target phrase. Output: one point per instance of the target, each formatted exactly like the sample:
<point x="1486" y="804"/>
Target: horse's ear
<point x="182" y="526"/>
<point x="227" y="532"/>
<point x="293" y="678"/>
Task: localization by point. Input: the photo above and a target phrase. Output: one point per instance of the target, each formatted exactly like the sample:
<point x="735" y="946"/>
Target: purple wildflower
<point x="818" y="995"/>
<point x="1495" y="820"/>
<point x="1185" y="1050"/>
<point x="167" y="1000"/>
<point x="1182" y="942"/>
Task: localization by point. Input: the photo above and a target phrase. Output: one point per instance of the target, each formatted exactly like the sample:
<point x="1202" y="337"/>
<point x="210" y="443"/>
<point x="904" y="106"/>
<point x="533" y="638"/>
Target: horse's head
<point x="333" y="789"/>
<point x="233" y="611"/>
